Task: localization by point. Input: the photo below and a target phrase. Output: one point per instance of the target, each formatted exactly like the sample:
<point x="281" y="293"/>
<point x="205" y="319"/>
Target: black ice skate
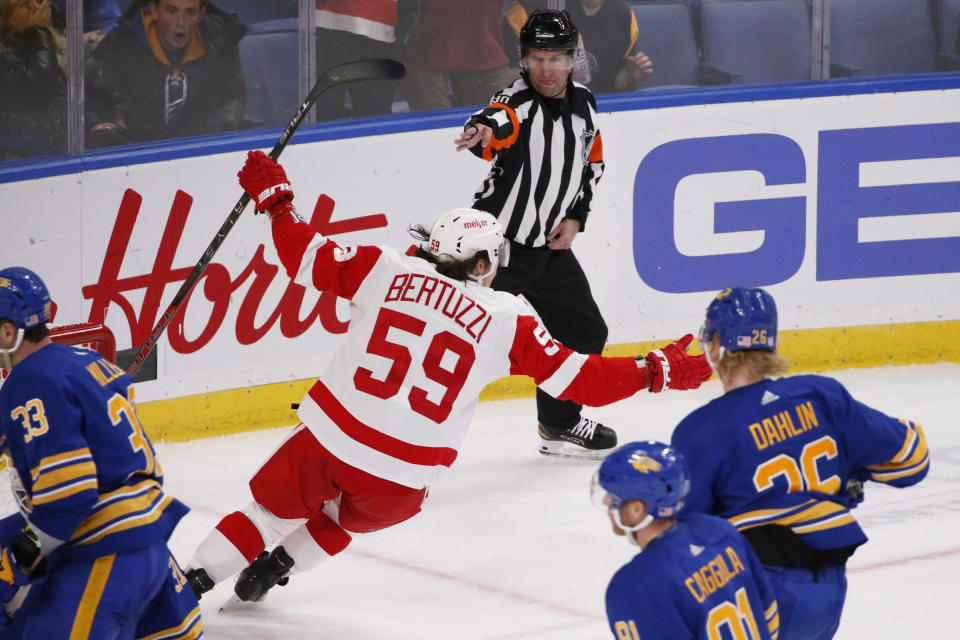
<point x="199" y="581"/>
<point x="267" y="570"/>
<point x="588" y="439"/>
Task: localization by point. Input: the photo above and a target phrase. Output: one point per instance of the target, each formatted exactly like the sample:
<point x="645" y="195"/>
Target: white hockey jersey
<point x="397" y="398"/>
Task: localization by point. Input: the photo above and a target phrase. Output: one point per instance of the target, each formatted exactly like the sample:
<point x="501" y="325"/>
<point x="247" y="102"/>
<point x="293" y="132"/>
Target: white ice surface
<point x="509" y="547"/>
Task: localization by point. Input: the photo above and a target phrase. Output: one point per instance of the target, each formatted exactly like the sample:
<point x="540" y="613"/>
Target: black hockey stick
<point x="375" y="69"/>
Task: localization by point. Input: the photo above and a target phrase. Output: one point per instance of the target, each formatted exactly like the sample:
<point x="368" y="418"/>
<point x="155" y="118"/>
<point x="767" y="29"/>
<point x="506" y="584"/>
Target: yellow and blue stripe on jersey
<point x="781" y="452"/>
<point x="63" y="475"/>
<point x="89" y="470"/>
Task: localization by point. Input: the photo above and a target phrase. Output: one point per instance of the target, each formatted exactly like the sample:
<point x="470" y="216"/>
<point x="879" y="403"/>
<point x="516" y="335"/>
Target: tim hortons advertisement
<point x="845" y="208"/>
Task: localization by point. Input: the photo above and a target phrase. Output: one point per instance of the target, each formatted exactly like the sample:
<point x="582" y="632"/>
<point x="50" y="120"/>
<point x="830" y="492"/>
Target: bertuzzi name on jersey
<point x="434" y="292"/>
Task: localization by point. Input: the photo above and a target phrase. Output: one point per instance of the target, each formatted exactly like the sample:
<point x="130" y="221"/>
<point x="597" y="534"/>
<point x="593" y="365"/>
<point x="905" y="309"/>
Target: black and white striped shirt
<point x="547" y="159"/>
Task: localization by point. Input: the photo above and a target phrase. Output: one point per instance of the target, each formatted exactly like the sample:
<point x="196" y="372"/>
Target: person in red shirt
<point x="349" y="30"/>
<point x="456" y="46"/>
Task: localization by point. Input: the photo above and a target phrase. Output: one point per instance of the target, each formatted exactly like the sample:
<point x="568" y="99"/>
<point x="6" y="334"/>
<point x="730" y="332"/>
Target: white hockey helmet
<point x="460" y="233"/>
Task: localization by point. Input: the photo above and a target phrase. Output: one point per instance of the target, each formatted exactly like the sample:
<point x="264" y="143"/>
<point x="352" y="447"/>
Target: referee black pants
<point x="553" y="282"/>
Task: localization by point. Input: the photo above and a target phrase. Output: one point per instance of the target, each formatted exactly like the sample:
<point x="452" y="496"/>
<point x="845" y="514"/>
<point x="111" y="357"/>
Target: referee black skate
<point x="541" y="135"/>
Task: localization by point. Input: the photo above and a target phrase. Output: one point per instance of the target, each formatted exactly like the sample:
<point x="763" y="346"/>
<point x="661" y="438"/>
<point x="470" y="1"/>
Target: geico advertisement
<point x="846" y="208"/>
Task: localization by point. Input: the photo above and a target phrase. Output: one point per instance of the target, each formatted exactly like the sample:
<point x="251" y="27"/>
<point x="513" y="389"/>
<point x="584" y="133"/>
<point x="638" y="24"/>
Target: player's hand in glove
<point x="20" y="562"/>
<point x="854" y="487"/>
<point x="265" y="182"/>
<point x="12" y="576"/>
<point x="673" y="368"/>
<point x="26" y="553"/>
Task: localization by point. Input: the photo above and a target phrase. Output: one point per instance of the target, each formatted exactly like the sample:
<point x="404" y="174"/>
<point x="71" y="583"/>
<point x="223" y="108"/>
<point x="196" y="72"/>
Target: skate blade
<point x="236" y="604"/>
<point x="562" y="449"/>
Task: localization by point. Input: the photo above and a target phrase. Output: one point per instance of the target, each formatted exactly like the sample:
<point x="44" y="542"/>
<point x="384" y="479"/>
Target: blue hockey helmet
<point x="745" y="318"/>
<point x="24" y="299"/>
<point x="650" y="471"/>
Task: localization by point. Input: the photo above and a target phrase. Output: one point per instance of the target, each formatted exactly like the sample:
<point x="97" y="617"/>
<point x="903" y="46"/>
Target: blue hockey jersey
<point x="781" y="452"/>
<point x="68" y="421"/>
<point x="698" y="580"/>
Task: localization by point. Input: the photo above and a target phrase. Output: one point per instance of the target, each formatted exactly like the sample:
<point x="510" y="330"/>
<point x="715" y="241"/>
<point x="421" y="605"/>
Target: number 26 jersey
<point x="780" y="452"/>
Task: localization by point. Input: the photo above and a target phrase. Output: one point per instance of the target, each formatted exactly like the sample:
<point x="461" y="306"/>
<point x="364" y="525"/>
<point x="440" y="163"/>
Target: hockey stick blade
<point x="373" y="69"/>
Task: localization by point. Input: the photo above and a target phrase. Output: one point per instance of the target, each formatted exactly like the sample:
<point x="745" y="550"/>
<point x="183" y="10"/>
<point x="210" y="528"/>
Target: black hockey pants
<point x="553" y="282"/>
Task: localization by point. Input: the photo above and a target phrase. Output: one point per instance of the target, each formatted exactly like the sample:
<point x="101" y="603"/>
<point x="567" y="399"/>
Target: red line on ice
<point x="480" y="586"/>
<point x="900" y="561"/>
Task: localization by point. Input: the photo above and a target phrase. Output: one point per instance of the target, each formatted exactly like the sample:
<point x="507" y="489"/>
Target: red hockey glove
<point x="673" y="368"/>
<point x="264" y="181"/>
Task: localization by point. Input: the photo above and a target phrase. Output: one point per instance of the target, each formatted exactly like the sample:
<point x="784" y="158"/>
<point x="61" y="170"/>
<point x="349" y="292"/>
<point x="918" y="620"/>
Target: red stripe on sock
<point x="328" y="535"/>
<point x="243" y="534"/>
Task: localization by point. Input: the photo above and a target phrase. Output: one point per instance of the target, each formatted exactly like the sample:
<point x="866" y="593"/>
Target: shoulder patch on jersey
<point x="587" y="138"/>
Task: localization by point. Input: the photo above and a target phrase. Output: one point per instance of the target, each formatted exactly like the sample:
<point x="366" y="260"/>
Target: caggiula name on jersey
<point x="781" y="426"/>
<point x="714" y="575"/>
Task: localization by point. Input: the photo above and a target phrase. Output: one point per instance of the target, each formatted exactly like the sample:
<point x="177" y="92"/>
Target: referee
<point x="541" y="135"/>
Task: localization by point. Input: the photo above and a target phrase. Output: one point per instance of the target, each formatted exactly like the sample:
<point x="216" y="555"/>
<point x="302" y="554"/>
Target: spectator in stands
<point x="608" y="29"/>
<point x="170" y="69"/>
<point x="349" y="30"/>
<point x="456" y="45"/>
<point x="33" y="95"/>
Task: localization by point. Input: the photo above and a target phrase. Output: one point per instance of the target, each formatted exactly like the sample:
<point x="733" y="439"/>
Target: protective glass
<point x="548" y="60"/>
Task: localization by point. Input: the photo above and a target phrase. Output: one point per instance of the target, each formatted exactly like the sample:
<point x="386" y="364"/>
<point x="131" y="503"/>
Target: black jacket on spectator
<point x="33" y="98"/>
<point x="129" y="85"/>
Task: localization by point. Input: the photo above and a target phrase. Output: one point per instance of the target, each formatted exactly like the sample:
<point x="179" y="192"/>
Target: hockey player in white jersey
<point x="388" y="414"/>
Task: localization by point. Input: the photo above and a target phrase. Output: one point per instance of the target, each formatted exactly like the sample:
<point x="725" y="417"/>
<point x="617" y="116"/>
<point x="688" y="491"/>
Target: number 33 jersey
<point x="780" y="452"/>
<point x="397" y="398"/>
<point x="90" y="472"/>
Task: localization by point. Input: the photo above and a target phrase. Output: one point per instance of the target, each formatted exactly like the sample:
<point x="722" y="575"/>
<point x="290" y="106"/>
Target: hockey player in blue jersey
<point x="695" y="576"/>
<point x="96" y="517"/>
<point x="784" y="460"/>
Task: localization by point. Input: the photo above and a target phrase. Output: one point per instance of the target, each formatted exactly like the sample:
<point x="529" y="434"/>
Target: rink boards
<point x="846" y="207"/>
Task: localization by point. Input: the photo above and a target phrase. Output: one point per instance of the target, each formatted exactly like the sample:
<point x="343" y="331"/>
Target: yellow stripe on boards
<point x="96" y="583"/>
<point x="810" y="350"/>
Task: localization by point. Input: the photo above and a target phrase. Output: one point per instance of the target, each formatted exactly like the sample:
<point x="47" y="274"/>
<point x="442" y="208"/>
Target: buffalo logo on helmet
<point x="645" y="464"/>
<point x="5" y="282"/>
